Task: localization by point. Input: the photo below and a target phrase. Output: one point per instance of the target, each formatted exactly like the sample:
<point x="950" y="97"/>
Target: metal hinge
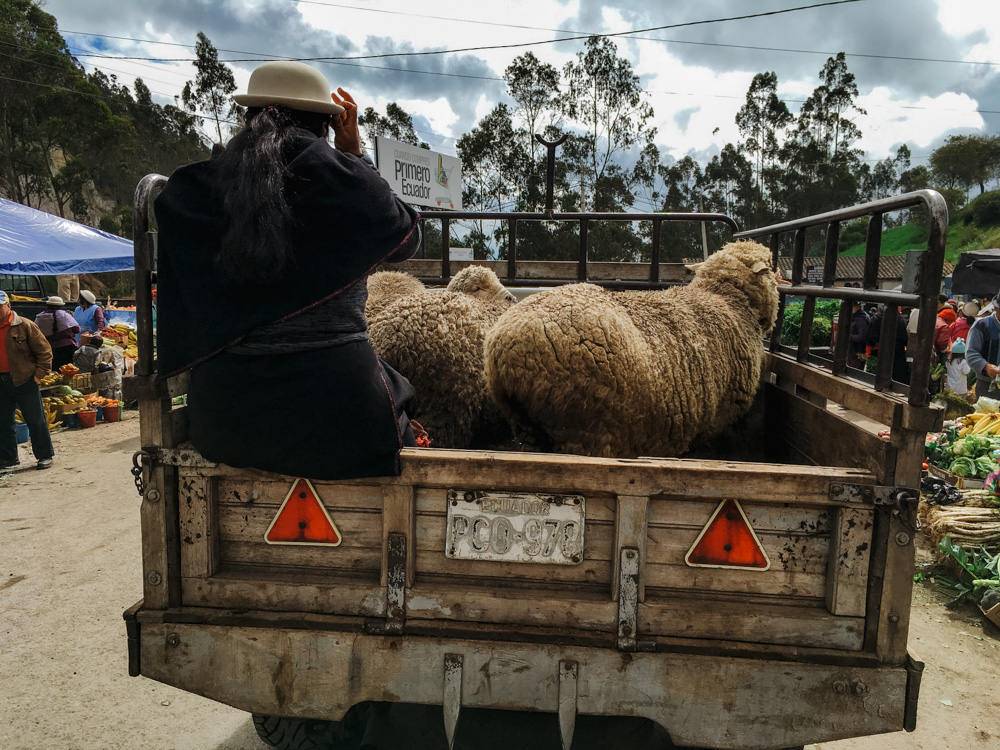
<point x="900" y="498"/>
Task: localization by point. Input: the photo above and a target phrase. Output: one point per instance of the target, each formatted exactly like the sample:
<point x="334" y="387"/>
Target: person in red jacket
<point x="960" y="328"/>
<point x="25" y="358"/>
<point x="942" y="330"/>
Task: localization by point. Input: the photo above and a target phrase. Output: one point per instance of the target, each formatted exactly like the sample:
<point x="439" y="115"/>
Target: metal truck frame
<point x="812" y="649"/>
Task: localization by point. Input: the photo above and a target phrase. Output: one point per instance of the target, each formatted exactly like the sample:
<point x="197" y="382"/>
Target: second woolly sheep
<point x="435" y="338"/>
<point x="579" y="369"/>
<point x="386" y="286"/>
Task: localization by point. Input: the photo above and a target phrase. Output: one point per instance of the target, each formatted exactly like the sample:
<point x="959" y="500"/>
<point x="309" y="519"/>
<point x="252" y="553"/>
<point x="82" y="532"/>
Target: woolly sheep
<point x="582" y="370"/>
<point x="386" y="286"/>
<point x="435" y="339"/>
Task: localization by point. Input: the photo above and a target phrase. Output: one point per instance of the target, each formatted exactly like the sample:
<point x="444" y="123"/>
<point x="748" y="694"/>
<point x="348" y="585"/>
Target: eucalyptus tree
<point x="761" y="120"/>
<point x="534" y="87"/>
<point x="396" y="124"/>
<point x="603" y="95"/>
<point x="211" y="92"/>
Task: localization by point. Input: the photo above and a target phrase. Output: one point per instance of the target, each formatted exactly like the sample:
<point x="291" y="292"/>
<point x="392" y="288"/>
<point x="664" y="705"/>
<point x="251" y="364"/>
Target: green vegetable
<point x="963" y="466"/>
<point x="985" y="465"/>
<point x="978" y="573"/>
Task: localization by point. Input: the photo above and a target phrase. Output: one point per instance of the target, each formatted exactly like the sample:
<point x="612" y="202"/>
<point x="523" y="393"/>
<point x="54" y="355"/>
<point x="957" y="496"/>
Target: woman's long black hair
<point x="252" y="175"/>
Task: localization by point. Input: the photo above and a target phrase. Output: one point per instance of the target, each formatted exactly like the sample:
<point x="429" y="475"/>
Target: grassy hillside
<point x="963" y="234"/>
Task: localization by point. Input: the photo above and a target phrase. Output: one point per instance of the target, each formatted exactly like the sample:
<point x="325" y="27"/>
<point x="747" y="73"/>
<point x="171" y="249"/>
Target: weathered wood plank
<point x="287" y="591"/>
<point x="271" y="492"/>
<point x="358" y="559"/>
<point x="428" y="468"/>
<point x="825" y="437"/>
<point x="503" y="574"/>
<point x="762" y="703"/>
<point x="882" y="407"/>
<point x="357" y="529"/>
<point x="198" y="526"/>
<point x="751" y="623"/>
<point x="158" y="515"/>
<point x="769" y="582"/>
<point x="850" y="556"/>
<point x="764" y="518"/>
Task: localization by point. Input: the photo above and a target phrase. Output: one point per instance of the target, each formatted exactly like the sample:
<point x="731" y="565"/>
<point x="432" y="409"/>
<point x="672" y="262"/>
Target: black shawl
<point x="348" y="220"/>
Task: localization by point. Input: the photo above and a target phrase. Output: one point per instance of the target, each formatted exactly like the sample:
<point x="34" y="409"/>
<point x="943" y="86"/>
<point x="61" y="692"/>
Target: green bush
<point x="986" y="209"/>
<point x="822" y="330"/>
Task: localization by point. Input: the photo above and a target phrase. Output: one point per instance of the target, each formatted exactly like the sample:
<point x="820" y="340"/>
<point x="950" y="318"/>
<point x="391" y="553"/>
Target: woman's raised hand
<point x="346" y="137"/>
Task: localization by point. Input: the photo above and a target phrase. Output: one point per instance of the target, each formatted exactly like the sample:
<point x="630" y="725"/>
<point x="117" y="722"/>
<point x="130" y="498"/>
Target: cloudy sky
<point x="696" y="76"/>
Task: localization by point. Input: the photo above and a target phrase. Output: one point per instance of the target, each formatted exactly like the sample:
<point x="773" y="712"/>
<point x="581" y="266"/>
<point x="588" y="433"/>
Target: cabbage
<point x="987" y="405"/>
<point x="985" y="465"/>
<point x="963" y="467"/>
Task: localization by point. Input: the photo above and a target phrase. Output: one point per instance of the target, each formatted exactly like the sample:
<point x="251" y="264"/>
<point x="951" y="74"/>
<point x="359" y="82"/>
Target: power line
<point x="630" y="35"/>
<point x="685" y="24"/>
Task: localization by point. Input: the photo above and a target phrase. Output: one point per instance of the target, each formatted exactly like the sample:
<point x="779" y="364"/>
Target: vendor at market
<point x="983" y="351"/>
<point x="86" y="356"/>
<point x="60" y="330"/>
<point x="89" y="315"/>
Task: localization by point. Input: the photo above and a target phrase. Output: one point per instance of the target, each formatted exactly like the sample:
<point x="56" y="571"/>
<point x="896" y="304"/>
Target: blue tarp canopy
<point x="36" y="243"/>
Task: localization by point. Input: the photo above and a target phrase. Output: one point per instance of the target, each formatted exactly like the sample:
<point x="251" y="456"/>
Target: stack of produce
<point x="972" y="520"/>
<point x="127" y="339"/>
<point x="964" y="452"/>
<point x="51" y="379"/>
<point x="93" y="400"/>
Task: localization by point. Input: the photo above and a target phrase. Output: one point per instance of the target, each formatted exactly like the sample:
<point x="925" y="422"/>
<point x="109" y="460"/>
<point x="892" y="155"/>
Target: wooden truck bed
<point x="811" y="648"/>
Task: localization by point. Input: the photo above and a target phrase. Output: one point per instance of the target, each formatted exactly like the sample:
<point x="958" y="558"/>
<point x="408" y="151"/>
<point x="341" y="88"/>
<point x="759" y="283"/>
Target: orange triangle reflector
<point x="728" y="541"/>
<point x="302" y="519"/>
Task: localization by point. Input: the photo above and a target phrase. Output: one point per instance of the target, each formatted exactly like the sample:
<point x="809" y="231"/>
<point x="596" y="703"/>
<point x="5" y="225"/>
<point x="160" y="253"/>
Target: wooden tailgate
<point x="813" y="593"/>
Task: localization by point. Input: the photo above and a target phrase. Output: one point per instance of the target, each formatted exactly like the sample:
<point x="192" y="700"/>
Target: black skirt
<point x="334" y="413"/>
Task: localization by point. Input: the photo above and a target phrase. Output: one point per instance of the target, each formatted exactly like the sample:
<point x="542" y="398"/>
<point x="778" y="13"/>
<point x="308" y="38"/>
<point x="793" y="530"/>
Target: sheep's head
<point x="480" y="282"/>
<point x="743" y="266"/>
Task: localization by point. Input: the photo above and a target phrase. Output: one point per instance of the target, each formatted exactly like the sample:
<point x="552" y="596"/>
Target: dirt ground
<point x="70" y="564"/>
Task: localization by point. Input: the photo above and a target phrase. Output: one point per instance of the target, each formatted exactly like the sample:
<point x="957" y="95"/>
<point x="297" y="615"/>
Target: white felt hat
<point x="290" y="84"/>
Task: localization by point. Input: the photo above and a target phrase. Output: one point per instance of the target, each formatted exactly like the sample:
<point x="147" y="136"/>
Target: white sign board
<point x="460" y="253"/>
<point x="420" y="176"/>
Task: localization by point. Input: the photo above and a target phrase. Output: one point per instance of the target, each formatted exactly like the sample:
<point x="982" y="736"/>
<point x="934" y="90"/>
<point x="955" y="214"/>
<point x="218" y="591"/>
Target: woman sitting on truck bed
<point x="264" y="251"/>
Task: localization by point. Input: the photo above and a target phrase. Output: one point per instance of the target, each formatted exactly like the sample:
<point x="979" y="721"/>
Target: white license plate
<point x="515" y="527"/>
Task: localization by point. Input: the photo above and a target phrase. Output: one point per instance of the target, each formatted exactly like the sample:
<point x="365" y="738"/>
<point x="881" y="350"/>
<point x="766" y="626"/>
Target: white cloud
<point x="891" y="120"/>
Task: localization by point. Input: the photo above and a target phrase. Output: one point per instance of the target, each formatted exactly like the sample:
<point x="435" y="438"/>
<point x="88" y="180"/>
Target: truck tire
<point x="297" y="734"/>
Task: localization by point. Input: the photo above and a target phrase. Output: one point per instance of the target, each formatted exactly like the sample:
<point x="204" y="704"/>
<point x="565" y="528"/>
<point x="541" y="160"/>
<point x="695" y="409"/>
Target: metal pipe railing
<point x="923" y="297"/>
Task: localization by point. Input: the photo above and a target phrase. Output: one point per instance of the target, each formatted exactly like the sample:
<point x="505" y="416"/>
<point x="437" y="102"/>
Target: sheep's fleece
<point x="435" y="339"/>
<point x="621" y="374"/>
<point x="386" y="286"/>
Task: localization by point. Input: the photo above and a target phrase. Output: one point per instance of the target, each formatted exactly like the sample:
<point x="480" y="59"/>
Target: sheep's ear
<point x="693" y="267"/>
<point x="760" y="267"/>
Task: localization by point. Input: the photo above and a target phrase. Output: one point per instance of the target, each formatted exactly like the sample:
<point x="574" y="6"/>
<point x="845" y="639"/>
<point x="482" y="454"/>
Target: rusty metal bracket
<point x="628" y="599"/>
<point x="452" y="699"/>
<point x="395" y="587"/>
<point x="901" y="498"/>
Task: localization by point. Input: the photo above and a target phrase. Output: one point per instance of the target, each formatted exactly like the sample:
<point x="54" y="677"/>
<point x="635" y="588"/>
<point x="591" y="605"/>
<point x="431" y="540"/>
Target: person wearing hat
<point x="957" y="380"/>
<point x="982" y="350"/>
<point x="60" y="330"/>
<point x="88" y="314"/>
<point x="25" y="358"/>
<point x="960" y="328"/>
<point x="280" y="230"/>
